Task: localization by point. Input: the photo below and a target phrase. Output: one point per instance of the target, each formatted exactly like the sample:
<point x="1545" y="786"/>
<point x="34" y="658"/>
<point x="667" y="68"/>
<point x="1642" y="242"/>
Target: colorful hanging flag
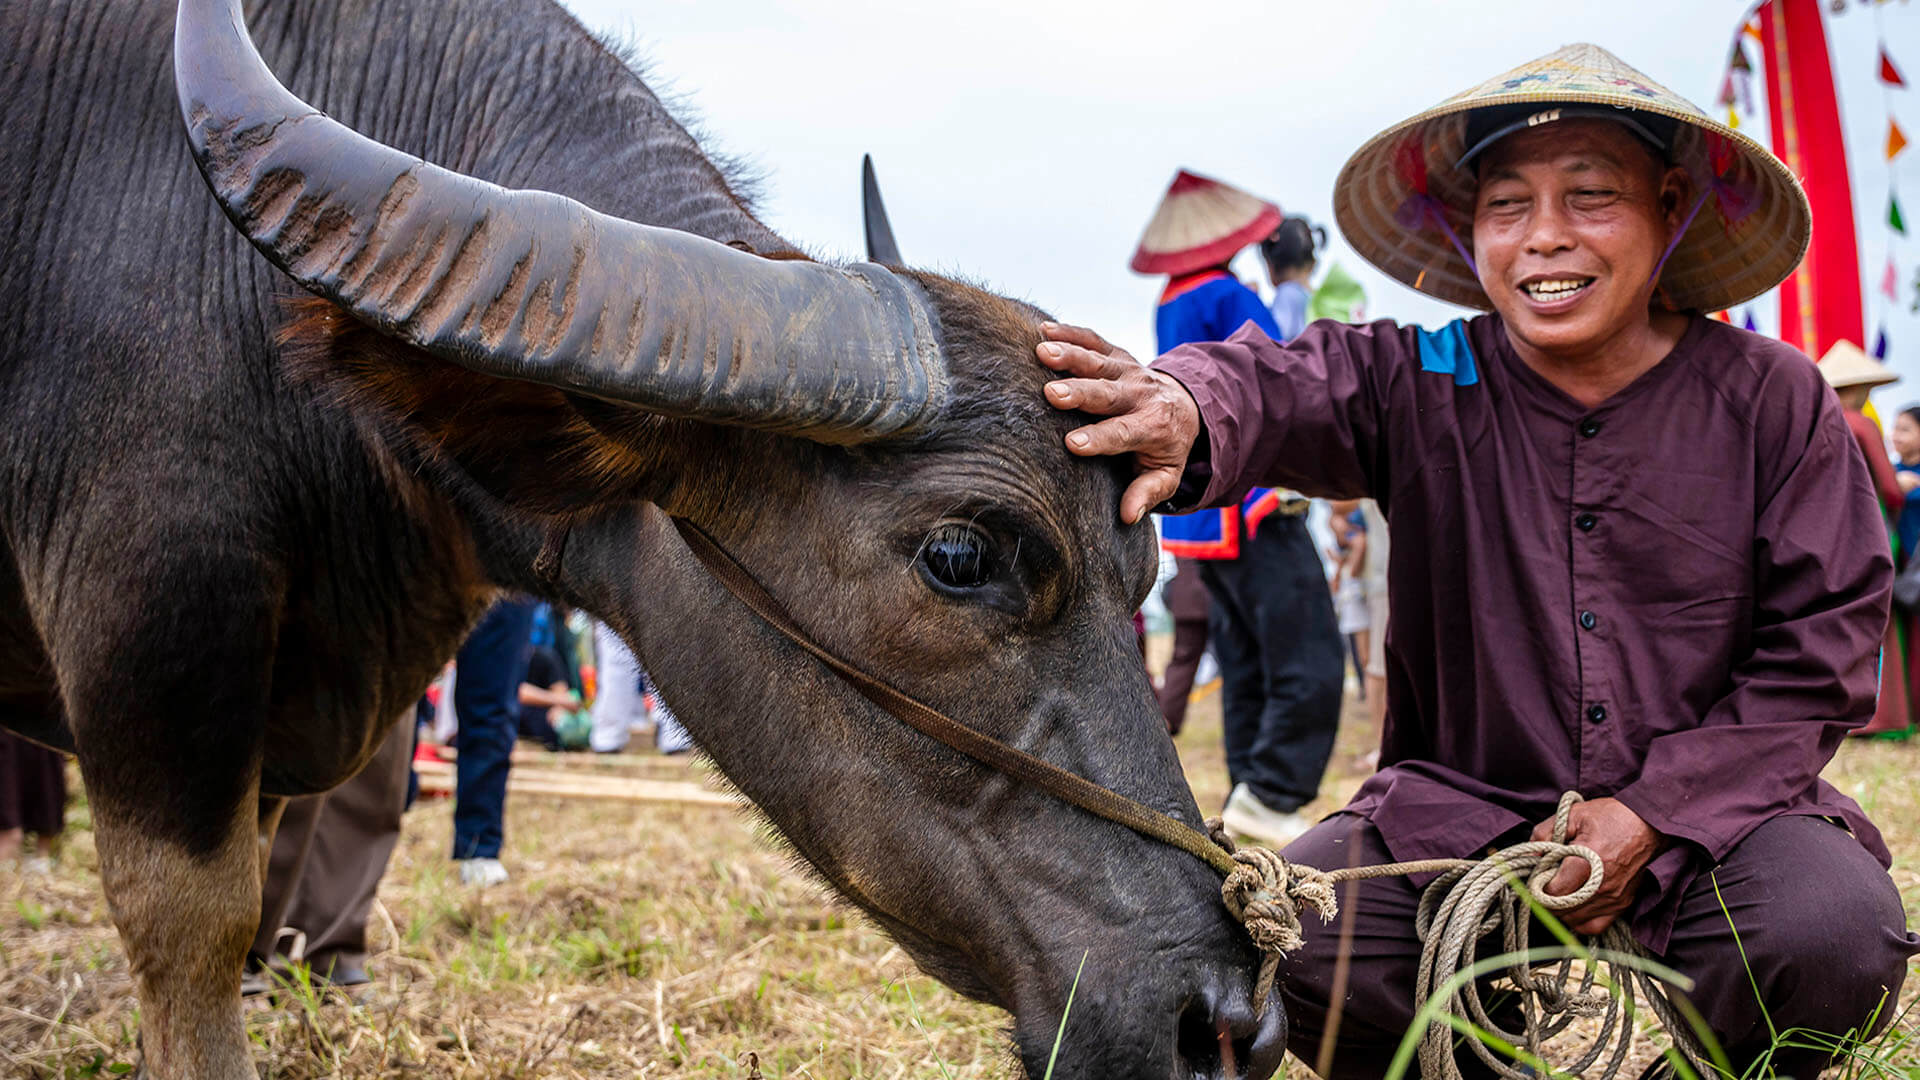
<point x="1820" y="302"/>
<point x="1894" y="220"/>
<point x="1738" y="61"/>
<point x="1880" y="345"/>
<point x="1890" y="282"/>
<point x="1896" y="139"/>
<point x="1751" y="326"/>
<point x="1888" y="73"/>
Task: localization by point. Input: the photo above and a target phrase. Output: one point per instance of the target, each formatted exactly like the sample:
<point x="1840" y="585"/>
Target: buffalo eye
<point x="957" y="558"/>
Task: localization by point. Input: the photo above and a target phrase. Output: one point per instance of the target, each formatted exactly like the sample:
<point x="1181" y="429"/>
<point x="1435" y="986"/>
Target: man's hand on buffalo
<point x="1625" y="844"/>
<point x="1148" y="414"/>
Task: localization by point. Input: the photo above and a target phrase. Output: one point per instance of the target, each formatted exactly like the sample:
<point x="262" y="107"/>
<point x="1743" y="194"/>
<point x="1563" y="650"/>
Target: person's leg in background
<point x="1237" y="653"/>
<point x="1187" y="603"/>
<point x="329" y="855"/>
<point x="618" y="703"/>
<point x="1303" y="662"/>
<point x="669" y="735"/>
<point x="33" y="799"/>
<point x="490" y="667"/>
<point x="1376" y="669"/>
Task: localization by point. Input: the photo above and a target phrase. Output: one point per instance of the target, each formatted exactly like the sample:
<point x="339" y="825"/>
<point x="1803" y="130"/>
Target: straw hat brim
<point x="1847" y="364"/>
<point x="1719" y="263"/>
<point x="1212" y="253"/>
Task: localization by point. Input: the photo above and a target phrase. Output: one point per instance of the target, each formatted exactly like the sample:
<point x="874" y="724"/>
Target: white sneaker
<point x="1248" y="818"/>
<point x="481" y="873"/>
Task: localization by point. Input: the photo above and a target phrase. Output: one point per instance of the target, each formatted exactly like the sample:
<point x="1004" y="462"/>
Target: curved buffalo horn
<point x="880" y="245"/>
<point x="532" y="285"/>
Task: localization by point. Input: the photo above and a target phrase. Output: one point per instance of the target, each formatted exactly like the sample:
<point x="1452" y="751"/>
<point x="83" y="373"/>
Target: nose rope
<point x="1266" y="893"/>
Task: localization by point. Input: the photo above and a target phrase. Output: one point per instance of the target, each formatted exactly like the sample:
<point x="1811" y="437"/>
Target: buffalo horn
<point x="880" y="245"/>
<point x="532" y="285"/>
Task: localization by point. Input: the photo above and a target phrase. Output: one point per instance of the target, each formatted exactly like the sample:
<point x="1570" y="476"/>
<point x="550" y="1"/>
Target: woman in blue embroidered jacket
<point x="1271" y="620"/>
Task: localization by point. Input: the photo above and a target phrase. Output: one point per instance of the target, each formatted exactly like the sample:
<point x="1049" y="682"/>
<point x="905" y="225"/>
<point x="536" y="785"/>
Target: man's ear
<point x="1676" y="196"/>
<point x="524" y="443"/>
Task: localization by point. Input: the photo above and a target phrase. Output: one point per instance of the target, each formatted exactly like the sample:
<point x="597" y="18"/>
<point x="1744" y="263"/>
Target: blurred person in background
<point x="488" y="671"/>
<point x="329" y="854"/>
<point x="1375" y="576"/>
<point x="546" y="699"/>
<point x="1271" y="624"/>
<point x="622" y="703"/>
<point x="33" y="799"/>
<point x="1291" y="253"/>
<point x="1906" y="468"/>
<point x="1188" y="606"/>
<point x="1853" y="375"/>
<point x="1349" y="556"/>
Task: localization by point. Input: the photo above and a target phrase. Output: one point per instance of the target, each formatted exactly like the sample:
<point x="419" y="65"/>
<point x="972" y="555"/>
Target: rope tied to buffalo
<point x="1470" y="900"/>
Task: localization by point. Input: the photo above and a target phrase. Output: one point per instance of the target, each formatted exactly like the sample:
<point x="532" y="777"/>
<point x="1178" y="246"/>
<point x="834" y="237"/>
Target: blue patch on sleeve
<point x="1446" y="352"/>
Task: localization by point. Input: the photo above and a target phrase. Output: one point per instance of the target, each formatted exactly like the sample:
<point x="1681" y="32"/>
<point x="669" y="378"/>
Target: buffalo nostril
<point x="1223" y="1040"/>
<point x="1198" y="1042"/>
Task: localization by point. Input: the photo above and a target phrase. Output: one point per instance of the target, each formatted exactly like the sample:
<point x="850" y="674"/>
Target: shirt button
<point x="1586" y="522"/>
<point x="1589" y="428"/>
<point x="1596" y="714"/>
<point x="1588" y="620"/>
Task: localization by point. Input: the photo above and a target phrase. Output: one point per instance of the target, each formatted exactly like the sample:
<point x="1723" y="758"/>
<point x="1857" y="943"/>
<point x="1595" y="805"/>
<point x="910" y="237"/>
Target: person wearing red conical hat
<point x="1197" y="229"/>
<point x="1635" y="555"/>
<point x="1269" y="616"/>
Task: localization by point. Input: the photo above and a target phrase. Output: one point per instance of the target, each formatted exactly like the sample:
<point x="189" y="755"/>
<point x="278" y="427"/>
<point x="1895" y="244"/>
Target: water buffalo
<point x="241" y="526"/>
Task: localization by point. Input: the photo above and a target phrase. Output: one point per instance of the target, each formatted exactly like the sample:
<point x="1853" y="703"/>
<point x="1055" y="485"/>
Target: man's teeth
<point x="1556" y="290"/>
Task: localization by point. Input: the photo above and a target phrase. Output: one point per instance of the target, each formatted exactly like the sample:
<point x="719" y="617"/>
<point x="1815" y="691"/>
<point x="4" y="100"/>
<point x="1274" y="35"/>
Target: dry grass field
<point x="633" y="941"/>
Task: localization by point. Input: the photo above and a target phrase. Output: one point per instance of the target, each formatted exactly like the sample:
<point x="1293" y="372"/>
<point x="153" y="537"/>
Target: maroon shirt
<point x="1675" y="599"/>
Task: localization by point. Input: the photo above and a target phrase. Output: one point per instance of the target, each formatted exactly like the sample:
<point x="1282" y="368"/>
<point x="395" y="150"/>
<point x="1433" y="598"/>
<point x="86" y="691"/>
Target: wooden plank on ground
<point x="438" y="777"/>
<point x="667" y="763"/>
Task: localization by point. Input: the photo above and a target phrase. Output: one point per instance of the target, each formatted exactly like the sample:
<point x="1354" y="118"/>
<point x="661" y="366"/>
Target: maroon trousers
<point x="33" y="787"/>
<point x="1822" y="924"/>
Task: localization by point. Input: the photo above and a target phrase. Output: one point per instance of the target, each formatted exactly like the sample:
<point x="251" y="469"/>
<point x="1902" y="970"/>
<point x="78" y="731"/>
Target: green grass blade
<point x="1068" y="1011"/>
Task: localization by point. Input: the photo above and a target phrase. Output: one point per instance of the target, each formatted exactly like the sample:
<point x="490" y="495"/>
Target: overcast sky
<point x="1024" y="143"/>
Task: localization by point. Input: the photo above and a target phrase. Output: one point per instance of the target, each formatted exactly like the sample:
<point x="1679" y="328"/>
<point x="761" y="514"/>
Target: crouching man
<point x="1634" y="551"/>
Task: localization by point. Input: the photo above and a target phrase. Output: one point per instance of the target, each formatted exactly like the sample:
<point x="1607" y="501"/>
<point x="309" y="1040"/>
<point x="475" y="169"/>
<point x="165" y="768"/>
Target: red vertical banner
<point x="1820" y="302"/>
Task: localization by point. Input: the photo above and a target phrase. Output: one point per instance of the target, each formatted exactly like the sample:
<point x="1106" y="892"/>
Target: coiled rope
<point x="1470" y="900"/>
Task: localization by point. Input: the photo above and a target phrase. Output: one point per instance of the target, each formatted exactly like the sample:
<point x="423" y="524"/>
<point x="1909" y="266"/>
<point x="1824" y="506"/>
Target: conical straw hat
<point x="1201" y="222"/>
<point x="1847" y="364"/>
<point x="1746" y="239"/>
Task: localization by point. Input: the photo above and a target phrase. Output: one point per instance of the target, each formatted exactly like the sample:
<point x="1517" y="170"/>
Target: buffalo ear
<point x="524" y="443"/>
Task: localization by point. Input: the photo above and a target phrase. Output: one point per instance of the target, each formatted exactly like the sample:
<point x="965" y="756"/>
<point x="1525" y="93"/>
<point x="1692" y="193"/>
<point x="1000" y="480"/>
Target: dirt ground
<point x="633" y="941"/>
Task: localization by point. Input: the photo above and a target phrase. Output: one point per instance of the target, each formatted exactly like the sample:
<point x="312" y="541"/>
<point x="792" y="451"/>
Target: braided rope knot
<point x="1266" y="892"/>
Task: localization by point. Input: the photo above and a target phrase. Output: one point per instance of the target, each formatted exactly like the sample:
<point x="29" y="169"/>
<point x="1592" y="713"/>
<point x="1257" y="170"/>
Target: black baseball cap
<point x="1488" y="126"/>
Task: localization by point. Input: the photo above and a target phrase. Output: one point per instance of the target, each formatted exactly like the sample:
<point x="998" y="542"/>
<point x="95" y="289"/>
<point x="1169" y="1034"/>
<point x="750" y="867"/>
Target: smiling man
<point x="1634" y="552"/>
